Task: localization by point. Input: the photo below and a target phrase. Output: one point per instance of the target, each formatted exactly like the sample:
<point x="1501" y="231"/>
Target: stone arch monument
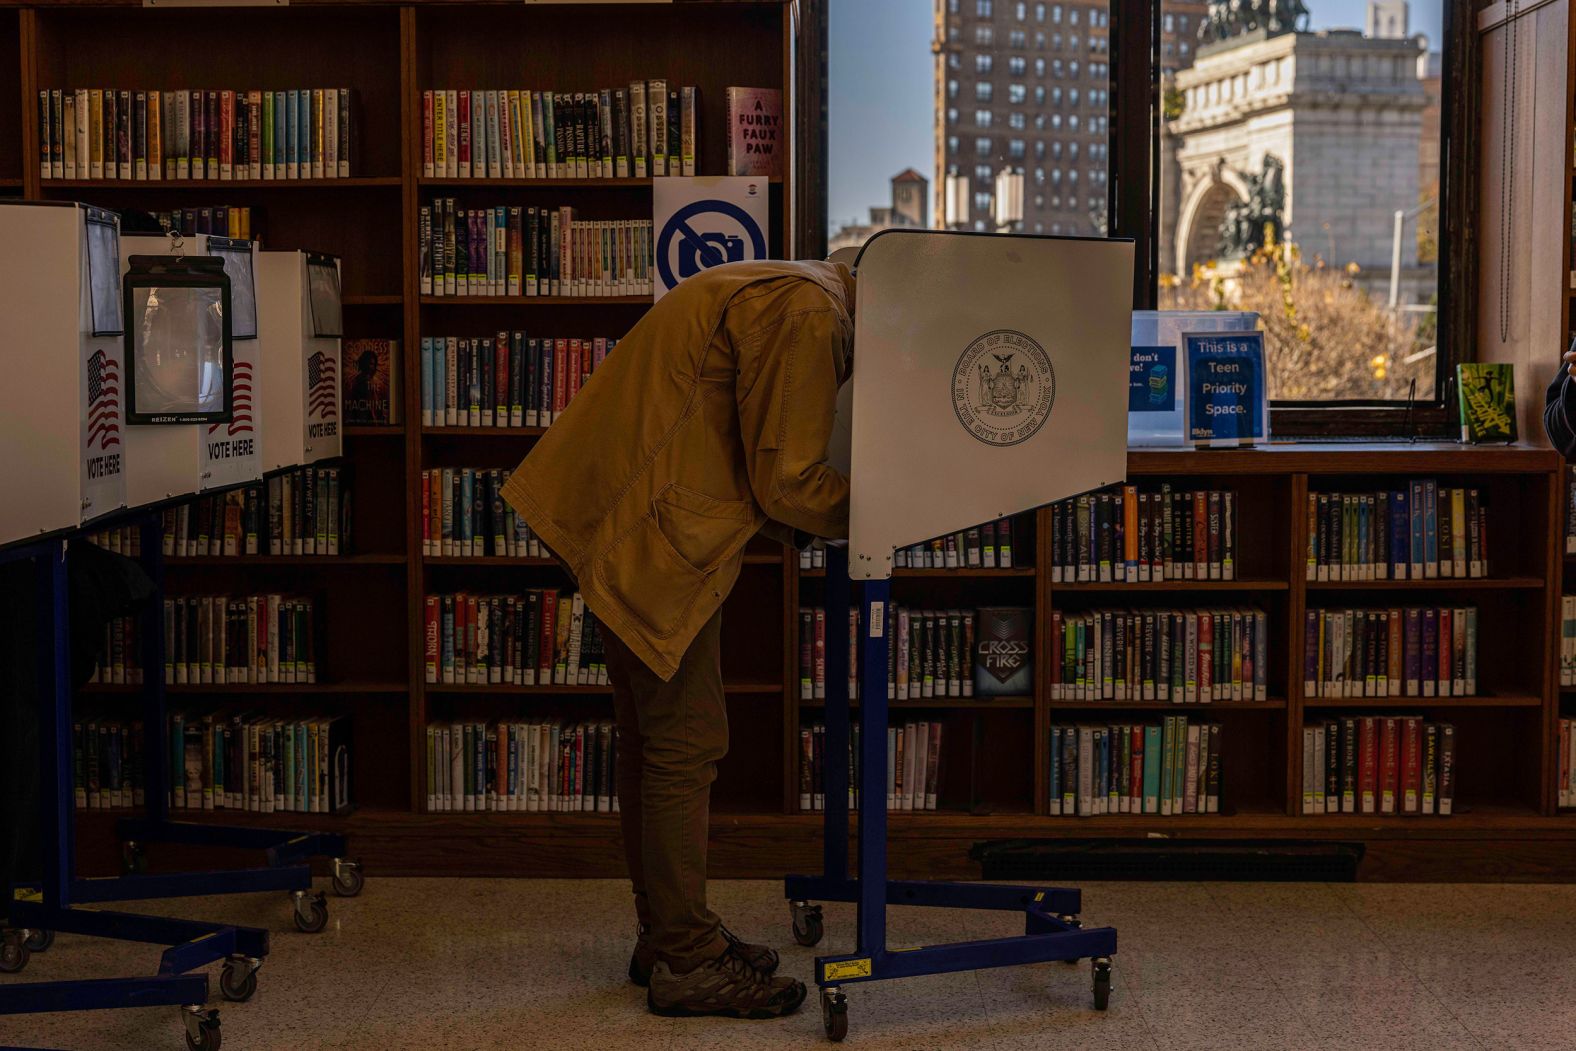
<point x="1341" y="112"/>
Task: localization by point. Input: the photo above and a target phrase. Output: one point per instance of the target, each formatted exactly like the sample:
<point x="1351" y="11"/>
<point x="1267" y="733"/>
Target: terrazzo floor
<point x="522" y="964"/>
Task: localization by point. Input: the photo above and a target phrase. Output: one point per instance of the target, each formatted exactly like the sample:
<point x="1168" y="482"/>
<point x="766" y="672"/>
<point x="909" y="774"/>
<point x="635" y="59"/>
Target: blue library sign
<point x="1225" y="388"/>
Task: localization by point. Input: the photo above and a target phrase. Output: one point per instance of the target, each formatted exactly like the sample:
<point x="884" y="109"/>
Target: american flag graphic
<point x="103" y="401"/>
<point x="322" y="384"/>
<point x="241" y="400"/>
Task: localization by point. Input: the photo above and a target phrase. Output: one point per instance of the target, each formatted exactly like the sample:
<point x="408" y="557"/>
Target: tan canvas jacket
<point x="708" y="422"/>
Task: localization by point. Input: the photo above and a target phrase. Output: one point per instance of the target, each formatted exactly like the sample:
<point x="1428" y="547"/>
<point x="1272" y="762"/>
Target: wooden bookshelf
<point x="369" y="600"/>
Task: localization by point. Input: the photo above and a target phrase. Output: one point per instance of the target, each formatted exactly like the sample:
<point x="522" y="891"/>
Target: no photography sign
<point x="705" y="222"/>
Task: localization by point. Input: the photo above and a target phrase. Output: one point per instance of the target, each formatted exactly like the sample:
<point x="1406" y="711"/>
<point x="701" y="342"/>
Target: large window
<point x="1296" y="171"/>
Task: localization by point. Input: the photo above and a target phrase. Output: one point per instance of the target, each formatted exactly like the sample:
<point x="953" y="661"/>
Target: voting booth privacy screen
<point x="62" y="406"/>
<point x="299" y="307"/>
<point x="990" y="377"/>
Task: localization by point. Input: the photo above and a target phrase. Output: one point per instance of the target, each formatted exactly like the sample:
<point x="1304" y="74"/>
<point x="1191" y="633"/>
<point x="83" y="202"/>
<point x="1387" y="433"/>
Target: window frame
<point x="1133" y="199"/>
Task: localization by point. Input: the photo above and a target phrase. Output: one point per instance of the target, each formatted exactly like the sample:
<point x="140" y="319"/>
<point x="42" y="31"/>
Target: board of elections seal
<point x="1003" y="387"/>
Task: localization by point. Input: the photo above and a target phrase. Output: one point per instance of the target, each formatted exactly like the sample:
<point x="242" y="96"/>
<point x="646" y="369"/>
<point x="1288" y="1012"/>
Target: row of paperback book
<point x="304" y="511"/>
<point x="1567" y="765"/>
<point x="464" y="515"/>
<point x="1168" y="768"/>
<point x="1124" y="535"/>
<point x="1185" y="656"/>
<point x="1417" y="532"/>
<point x="1378" y="764"/>
<point x="1410" y="652"/>
<point x="123" y="540"/>
<point x="543" y="637"/>
<point x="235" y="761"/>
<point x="119" y="657"/>
<point x="913" y="769"/>
<point x="506" y="380"/>
<point x="1570" y="509"/>
<point x="987" y="546"/>
<point x="645" y="129"/>
<point x="222" y="220"/>
<point x="514" y="250"/>
<point x="931" y="655"/>
<point x="1568" y="640"/>
<point x="249" y="761"/>
<point x="534" y="767"/>
<point x="106" y="764"/>
<point x="243" y="639"/>
<point x="151" y="135"/>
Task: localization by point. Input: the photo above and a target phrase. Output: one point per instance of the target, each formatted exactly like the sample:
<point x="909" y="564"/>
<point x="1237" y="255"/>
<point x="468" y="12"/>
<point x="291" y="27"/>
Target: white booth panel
<point x="62" y="420"/>
<point x="300" y="377"/>
<point x="990" y="377"/>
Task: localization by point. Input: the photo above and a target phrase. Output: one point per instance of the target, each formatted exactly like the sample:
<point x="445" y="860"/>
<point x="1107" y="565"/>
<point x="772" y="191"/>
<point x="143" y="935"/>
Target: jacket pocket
<point x="676" y="556"/>
<point x="703" y="529"/>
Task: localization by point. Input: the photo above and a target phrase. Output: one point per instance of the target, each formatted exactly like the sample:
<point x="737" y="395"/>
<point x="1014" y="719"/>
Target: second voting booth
<point x="990" y="378"/>
<point x="151" y="372"/>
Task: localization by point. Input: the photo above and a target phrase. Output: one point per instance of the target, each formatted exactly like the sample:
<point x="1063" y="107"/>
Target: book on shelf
<point x="1568" y="472"/>
<point x="1185" y="656"/>
<point x="530" y="250"/>
<point x="755" y="131"/>
<point x="1169" y="768"/>
<point x="523" y="133"/>
<point x="222" y="220"/>
<point x="1566" y="765"/>
<point x="464" y="515"/>
<point x="929" y="655"/>
<point x="1486" y="398"/>
<point x="1003" y="649"/>
<point x="1127" y="535"/>
<point x="1415" y="531"/>
<point x="107" y="760"/>
<point x="151" y="135"/>
<point x="372" y="380"/>
<point x="987" y="546"/>
<point x="1411" y="651"/>
<point x="303" y="511"/>
<point x="533" y="767"/>
<point x="244" y="639"/>
<point x="118" y="660"/>
<point x="245" y="760"/>
<point x="1379" y="764"/>
<point x="504" y="380"/>
<point x="1568" y="640"/>
<point x="913" y="765"/>
<point x="542" y="637"/>
<point x="122" y="540"/>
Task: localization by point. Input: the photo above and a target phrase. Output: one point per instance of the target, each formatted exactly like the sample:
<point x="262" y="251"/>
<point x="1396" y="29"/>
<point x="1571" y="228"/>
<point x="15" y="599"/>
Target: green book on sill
<point x="1487" y="395"/>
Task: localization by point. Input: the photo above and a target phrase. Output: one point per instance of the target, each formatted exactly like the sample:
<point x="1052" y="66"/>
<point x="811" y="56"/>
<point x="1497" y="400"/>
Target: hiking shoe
<point x="729" y="986"/>
<point x="763" y="958"/>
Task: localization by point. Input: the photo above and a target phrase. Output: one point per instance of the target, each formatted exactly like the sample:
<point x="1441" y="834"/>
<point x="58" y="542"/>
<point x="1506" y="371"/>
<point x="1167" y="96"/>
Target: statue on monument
<point x="1243" y="227"/>
<point x="1225" y="19"/>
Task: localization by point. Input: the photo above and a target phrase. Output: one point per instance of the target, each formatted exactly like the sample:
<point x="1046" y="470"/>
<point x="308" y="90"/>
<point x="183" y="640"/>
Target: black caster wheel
<point x="40" y="941"/>
<point x="311" y="913"/>
<point x="14" y="953"/>
<point x="202" y="1029"/>
<point x="348" y="878"/>
<point x="1102" y="983"/>
<point x="133" y="859"/>
<point x="808" y="926"/>
<point x="238" y="979"/>
<point x="834" y="1014"/>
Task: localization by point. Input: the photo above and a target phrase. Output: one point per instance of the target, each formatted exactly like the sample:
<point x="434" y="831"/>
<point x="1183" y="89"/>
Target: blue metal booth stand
<point x="35" y="914"/>
<point x="1051" y="926"/>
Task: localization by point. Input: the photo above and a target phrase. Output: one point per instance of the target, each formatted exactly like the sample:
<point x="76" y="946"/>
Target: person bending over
<point x="1559" y="406"/>
<point x="707" y="425"/>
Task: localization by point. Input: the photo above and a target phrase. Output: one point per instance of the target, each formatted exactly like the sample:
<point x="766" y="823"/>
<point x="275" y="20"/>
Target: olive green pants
<point x="670" y="737"/>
